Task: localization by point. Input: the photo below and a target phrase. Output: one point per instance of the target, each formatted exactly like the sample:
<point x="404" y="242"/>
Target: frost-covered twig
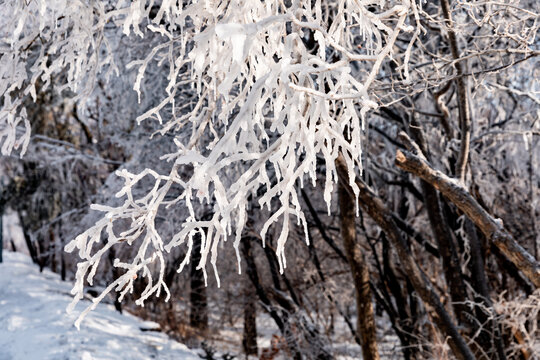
<point x="265" y="107"/>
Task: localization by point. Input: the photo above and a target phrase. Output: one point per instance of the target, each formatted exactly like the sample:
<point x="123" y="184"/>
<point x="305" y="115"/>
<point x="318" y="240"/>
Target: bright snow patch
<point x="34" y="323"/>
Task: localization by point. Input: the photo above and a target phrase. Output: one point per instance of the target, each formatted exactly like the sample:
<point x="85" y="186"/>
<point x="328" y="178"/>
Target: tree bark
<point x="249" y="340"/>
<point x="62" y="254"/>
<point x="1" y="237"/>
<point x="198" y="316"/>
<point x="365" y="324"/>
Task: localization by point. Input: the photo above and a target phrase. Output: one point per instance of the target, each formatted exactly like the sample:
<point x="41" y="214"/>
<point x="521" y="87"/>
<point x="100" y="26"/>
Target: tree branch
<point x="456" y="193"/>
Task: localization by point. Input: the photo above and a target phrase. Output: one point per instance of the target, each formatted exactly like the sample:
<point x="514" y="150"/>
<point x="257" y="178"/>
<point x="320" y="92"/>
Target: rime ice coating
<point x="265" y="110"/>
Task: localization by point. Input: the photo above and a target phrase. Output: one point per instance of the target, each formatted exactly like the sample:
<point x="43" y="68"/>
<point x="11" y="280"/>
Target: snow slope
<point x="34" y="323"/>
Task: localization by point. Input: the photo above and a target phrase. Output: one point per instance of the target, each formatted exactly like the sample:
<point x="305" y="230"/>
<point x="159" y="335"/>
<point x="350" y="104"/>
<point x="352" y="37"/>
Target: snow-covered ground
<point x="34" y="324"/>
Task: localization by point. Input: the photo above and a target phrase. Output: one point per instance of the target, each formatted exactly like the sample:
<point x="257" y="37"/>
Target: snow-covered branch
<point x="275" y="87"/>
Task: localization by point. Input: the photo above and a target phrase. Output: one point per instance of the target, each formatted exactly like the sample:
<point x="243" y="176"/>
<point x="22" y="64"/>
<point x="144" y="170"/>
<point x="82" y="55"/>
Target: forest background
<point x="360" y="172"/>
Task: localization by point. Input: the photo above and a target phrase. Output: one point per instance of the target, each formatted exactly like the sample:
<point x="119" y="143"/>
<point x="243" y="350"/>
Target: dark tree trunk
<point x="31" y="248"/>
<point x="365" y="325"/>
<point x="198" y="316"/>
<point x="1" y="237"/>
<point x="52" y="250"/>
<point x="62" y="266"/>
<point x="398" y="314"/>
<point x="42" y="254"/>
<point x="249" y="340"/>
<point x="447" y="250"/>
<point x="490" y="338"/>
<point x="62" y="252"/>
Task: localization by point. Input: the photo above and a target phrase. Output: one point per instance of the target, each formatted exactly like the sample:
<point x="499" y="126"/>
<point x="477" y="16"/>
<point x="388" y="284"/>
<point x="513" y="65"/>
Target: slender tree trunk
<point x="198" y="316"/>
<point x="52" y="250"/>
<point x="249" y="340"/>
<point x="31" y="248"/>
<point x="1" y="237"/>
<point x="62" y="253"/>
<point x="401" y="320"/>
<point x="42" y="254"/>
<point x="365" y="326"/>
<point x="449" y="256"/>
<point x="490" y="338"/>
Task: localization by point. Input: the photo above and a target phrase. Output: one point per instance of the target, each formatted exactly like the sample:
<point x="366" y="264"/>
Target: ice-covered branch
<point x="274" y="87"/>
